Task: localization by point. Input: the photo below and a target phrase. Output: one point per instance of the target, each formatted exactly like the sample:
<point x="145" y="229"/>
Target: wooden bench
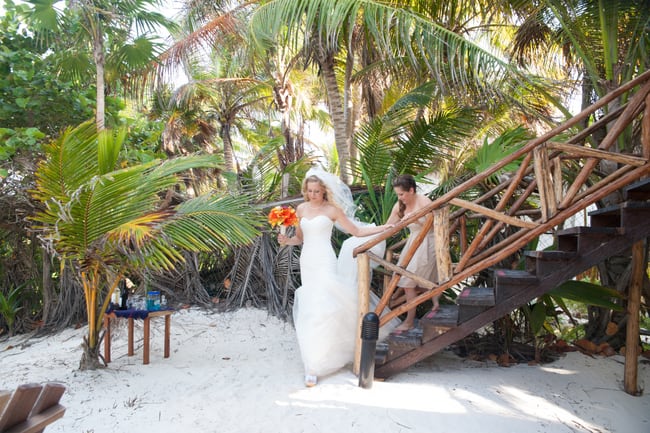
<point x="30" y="408"/>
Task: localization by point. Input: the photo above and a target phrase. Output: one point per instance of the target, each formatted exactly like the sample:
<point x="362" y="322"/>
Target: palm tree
<point x="418" y="40"/>
<point x="236" y="85"/>
<point x="99" y="33"/>
<point x="602" y="42"/>
<point x="104" y="222"/>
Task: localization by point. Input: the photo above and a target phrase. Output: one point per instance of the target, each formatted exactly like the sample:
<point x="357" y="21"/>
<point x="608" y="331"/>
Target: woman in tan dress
<point x="423" y="262"/>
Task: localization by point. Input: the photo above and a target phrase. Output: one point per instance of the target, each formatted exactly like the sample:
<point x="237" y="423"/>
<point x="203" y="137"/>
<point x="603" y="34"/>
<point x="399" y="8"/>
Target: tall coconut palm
<point x="105" y="222"/>
<point x="603" y="42"/>
<point x="236" y="84"/>
<point x="98" y="36"/>
<point x="429" y="40"/>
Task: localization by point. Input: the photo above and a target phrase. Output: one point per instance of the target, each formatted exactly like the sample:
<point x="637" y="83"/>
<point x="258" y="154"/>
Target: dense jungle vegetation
<point x="149" y="145"/>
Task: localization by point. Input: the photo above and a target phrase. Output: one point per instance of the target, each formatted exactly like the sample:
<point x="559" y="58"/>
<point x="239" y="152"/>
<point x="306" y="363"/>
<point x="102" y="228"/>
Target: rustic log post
<point x="645" y="128"/>
<point x="389" y="258"/>
<point x="546" y="199"/>
<point x="363" y="278"/>
<point x="632" y="327"/>
<point x="441" y="236"/>
<point x="463" y="234"/>
<point x="557" y="181"/>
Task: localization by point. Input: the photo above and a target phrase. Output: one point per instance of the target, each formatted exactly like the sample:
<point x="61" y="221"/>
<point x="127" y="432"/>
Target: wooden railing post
<point x="544" y="183"/>
<point x="645" y="128"/>
<point x="441" y="236"/>
<point x="632" y="327"/>
<point x="363" y="278"/>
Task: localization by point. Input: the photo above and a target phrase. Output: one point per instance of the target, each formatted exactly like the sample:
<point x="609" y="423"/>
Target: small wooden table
<point x="137" y="314"/>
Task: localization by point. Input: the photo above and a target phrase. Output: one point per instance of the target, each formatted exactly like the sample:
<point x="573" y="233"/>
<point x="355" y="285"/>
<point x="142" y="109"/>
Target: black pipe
<point x="369" y="336"/>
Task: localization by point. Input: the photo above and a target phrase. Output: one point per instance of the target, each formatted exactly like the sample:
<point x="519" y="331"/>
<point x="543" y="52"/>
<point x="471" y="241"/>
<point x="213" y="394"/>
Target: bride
<point x="325" y="306"/>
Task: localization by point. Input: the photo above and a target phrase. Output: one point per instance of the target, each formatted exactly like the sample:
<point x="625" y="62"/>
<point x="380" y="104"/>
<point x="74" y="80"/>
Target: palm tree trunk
<point x="224" y="133"/>
<point x="48" y="294"/>
<point x="98" y="55"/>
<point x="337" y="114"/>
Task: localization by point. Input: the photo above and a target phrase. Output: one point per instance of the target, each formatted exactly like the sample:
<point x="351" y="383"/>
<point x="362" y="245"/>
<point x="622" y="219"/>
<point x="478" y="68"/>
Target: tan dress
<point x="423" y="263"/>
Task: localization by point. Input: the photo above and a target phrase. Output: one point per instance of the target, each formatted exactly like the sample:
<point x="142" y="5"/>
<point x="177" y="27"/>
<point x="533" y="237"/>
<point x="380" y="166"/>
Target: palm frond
<point x="207" y="223"/>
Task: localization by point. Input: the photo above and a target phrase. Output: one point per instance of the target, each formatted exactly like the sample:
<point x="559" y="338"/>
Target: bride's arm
<point x="293" y="240"/>
<point x="354" y="229"/>
<point x="297" y="238"/>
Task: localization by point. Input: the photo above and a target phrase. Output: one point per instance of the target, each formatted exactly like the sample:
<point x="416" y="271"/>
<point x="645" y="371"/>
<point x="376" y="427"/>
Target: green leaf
<point x="537" y="317"/>
<point x="588" y="293"/>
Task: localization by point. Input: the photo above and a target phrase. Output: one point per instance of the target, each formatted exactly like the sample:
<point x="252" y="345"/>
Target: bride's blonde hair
<point x="327" y="194"/>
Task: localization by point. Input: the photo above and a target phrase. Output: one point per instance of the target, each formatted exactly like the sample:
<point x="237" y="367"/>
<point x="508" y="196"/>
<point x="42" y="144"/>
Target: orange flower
<point x="283" y="216"/>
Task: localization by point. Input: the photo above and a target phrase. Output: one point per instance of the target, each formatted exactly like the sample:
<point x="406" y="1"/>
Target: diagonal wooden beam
<point x="572" y="149"/>
<point x="499" y="216"/>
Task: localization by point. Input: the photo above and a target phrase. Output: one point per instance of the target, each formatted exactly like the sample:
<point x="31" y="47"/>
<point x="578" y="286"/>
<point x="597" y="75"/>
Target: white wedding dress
<point x="325" y="306"/>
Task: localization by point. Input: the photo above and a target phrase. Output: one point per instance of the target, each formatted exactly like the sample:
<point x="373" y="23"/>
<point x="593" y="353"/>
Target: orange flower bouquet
<point x="283" y="216"/>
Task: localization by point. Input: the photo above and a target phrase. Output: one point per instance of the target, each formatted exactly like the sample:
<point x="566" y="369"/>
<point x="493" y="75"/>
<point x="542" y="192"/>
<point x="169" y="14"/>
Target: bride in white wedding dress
<point x="325" y="306"/>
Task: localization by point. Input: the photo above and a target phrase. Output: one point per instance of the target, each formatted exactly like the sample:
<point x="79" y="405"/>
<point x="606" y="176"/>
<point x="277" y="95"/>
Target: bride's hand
<point x="282" y="239"/>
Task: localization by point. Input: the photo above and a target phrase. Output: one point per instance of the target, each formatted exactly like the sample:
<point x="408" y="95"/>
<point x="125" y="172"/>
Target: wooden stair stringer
<point x="543" y="284"/>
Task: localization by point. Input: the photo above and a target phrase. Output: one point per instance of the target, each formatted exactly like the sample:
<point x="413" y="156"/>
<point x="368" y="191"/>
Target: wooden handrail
<point x="542" y="158"/>
<point x="514" y="246"/>
<point x="455" y="192"/>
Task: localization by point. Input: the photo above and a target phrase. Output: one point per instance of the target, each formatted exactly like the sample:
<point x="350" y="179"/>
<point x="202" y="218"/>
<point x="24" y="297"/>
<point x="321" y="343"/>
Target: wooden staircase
<point x="613" y="230"/>
<point x="542" y="178"/>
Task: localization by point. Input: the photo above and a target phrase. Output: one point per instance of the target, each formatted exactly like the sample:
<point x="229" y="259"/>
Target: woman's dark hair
<point x="405" y="182"/>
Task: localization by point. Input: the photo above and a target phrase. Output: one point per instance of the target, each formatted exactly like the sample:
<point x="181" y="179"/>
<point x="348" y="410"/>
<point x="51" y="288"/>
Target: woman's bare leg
<point x="436" y="303"/>
<point x="409" y="321"/>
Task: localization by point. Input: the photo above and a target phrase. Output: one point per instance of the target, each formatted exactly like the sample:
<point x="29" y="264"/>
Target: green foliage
<point x="142" y="144"/>
<point x="105" y="220"/>
<point x="588" y="293"/>
<point x="491" y="153"/>
<point x="31" y="93"/>
<point x="13" y="141"/>
<point x="10" y="306"/>
<point x="551" y="305"/>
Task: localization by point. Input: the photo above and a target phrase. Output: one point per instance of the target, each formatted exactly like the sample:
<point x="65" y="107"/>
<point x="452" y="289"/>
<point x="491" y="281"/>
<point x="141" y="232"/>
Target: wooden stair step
<point x="638" y="190"/>
<point x="634" y="213"/>
<point x="446" y="315"/>
<point x="609" y="216"/>
<point x="438" y="322"/>
<point x="544" y="262"/>
<point x="625" y="214"/>
<point x="508" y="282"/>
<point x="410" y="338"/>
<point x="472" y="301"/>
<point x="476" y="296"/>
<point x="581" y="239"/>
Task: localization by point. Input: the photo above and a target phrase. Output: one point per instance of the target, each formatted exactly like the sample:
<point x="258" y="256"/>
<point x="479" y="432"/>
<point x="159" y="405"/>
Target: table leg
<point x="107" y="339"/>
<point x="167" y="326"/>
<point x="145" y="356"/>
<point x="131" y="351"/>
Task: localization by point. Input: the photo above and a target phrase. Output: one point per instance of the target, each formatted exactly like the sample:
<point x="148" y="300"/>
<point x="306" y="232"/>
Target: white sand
<point x="241" y="372"/>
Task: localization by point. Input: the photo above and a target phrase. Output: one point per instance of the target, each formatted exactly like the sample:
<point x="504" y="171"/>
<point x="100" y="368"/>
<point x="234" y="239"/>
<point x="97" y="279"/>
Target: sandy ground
<point x="241" y="372"/>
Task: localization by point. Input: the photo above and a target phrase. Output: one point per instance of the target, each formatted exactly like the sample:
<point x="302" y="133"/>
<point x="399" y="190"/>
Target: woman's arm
<point x="297" y="238"/>
<point x="354" y="229"/>
<point x="394" y="217"/>
<point x="293" y="240"/>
